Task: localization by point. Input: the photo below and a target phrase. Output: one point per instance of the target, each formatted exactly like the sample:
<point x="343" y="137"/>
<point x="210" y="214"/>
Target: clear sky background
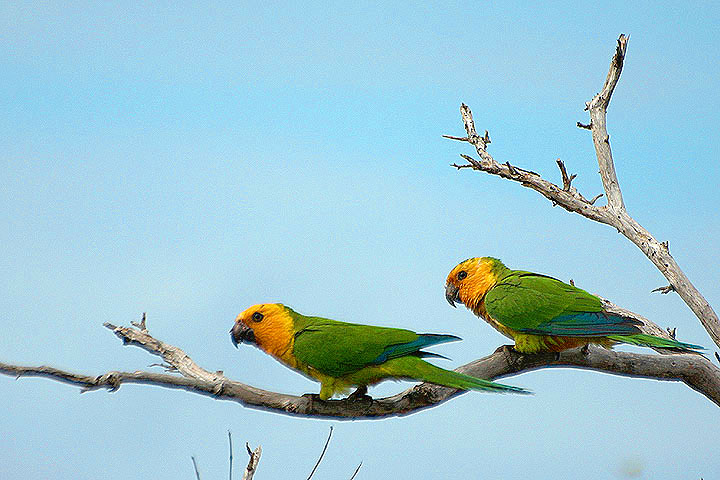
<point x="192" y="160"/>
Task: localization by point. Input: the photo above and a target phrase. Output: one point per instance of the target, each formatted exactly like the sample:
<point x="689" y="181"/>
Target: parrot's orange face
<point x="468" y="282"/>
<point x="268" y="325"/>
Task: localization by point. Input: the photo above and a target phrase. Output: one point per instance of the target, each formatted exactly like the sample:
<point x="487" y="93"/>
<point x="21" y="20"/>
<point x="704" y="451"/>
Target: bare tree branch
<point x="253" y="462"/>
<point x="356" y="471"/>
<point x="694" y="370"/>
<point x="598" y="113"/>
<point x="231" y="456"/>
<point x="322" y="454"/>
<point x="567" y="180"/>
<point x="614" y="213"/>
<point x="664" y="290"/>
<point x="197" y="472"/>
<point x="142" y="324"/>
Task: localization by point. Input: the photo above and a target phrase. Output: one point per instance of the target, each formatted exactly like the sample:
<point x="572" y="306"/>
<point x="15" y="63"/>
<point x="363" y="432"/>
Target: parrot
<point x="342" y="355"/>
<point x="541" y="313"/>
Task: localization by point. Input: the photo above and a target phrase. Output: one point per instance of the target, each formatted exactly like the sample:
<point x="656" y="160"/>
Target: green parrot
<point x="542" y="313"/>
<point x="343" y="355"/>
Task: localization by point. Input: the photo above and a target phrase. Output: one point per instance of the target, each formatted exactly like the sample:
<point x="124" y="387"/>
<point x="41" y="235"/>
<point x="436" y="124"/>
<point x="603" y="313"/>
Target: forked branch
<point x="614" y="213"/>
<point x="253" y="462"/>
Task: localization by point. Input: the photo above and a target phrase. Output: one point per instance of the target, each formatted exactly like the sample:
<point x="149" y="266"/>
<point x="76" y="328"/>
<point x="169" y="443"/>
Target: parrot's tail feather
<point x="413" y="348"/>
<point x="424" y="354"/>
<point x="644" y="340"/>
<point x="416" y="369"/>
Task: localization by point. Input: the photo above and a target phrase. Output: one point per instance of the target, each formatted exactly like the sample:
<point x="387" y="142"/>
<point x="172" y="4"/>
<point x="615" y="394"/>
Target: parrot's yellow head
<point x="470" y="280"/>
<point x="267" y="325"/>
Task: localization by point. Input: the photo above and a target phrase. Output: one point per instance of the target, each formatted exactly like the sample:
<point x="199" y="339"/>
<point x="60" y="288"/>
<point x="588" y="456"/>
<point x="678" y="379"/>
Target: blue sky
<point x="189" y="161"/>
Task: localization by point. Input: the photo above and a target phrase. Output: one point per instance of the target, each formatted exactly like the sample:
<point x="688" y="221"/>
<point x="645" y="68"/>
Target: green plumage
<point x="359" y="355"/>
<point x="339" y="348"/>
<point x="534" y="304"/>
<point x="524" y="300"/>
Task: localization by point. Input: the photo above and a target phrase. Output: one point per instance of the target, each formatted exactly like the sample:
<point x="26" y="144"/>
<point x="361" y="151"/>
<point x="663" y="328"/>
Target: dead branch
<point x="694" y="370"/>
<point x="322" y="454"/>
<point x="197" y="472"/>
<point x="356" y="471"/>
<point x="231" y="450"/>
<point x="567" y="180"/>
<point x="664" y="290"/>
<point x="253" y="462"/>
<point x="614" y="213"/>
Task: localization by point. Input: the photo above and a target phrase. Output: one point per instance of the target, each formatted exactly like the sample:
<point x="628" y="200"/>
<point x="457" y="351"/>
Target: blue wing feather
<point x="587" y="324"/>
<point x="424" y="340"/>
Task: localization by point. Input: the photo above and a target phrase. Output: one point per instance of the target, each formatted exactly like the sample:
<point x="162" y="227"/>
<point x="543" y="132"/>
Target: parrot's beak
<point x="241" y="333"/>
<point x="452" y="294"/>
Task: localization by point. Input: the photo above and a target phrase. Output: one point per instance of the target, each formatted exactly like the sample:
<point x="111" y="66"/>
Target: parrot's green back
<point x="339" y="348"/>
<point x="542" y="305"/>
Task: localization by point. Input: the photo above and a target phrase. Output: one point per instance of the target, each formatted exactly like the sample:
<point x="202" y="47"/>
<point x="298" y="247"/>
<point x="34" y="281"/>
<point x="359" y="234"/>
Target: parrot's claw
<point x="359" y="395"/>
<point x="509" y="349"/>
<point x="312" y="398"/>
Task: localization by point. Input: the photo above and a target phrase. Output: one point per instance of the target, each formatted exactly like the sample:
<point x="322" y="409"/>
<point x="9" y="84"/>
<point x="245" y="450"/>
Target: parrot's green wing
<point x="338" y="348"/>
<point x="541" y="305"/>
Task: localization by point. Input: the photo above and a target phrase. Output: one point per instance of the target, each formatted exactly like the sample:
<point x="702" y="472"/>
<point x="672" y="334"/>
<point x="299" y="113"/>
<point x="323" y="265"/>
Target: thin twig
<point x="460" y="166"/>
<point x="486" y="138"/>
<point x="142" y="326"/>
<point x="356" y="471"/>
<point x="595" y="199"/>
<point x="459" y="139"/>
<point x="197" y="472"/>
<point x="567" y="180"/>
<point x="231" y="452"/>
<point x="164" y="366"/>
<point x="664" y="290"/>
<point x="322" y="454"/>
<point x="474" y="163"/>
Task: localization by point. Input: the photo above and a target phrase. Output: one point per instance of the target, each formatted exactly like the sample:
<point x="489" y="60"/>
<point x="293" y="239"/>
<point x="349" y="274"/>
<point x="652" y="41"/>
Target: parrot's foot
<point x="312" y="398"/>
<point x="359" y="395"/>
<point x="510" y="349"/>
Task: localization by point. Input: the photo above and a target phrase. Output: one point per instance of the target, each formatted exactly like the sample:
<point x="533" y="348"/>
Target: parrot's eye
<point x="461" y="275"/>
<point x="257" y="316"/>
